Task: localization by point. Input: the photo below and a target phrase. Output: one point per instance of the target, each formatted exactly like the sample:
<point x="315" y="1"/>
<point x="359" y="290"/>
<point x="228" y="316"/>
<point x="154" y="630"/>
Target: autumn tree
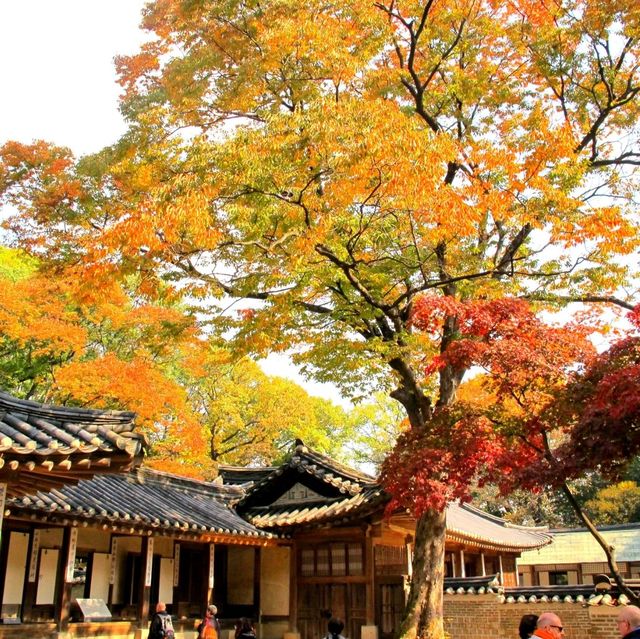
<point x="548" y="411"/>
<point x="615" y="504"/>
<point x="250" y="418"/>
<point x="332" y="162"/>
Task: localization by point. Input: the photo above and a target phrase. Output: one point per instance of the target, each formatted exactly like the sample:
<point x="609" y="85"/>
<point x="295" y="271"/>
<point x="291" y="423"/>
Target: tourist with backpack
<point x="210" y="626"/>
<point x="161" y="625"/>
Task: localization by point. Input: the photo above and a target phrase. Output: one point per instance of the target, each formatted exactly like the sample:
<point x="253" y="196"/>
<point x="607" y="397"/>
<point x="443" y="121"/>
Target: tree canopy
<point x="330" y="164"/>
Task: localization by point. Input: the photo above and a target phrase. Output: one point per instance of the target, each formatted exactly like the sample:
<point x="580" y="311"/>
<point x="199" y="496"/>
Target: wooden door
<point x="390" y="602"/>
<point x="344" y="601"/>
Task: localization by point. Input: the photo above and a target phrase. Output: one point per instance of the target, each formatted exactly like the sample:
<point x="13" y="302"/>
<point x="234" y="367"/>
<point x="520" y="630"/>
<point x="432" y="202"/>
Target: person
<point x="210" y="626"/>
<point x="161" y="625"/>
<point x="548" y="626"/>
<point x="335" y="628"/>
<point x="629" y="622"/>
<point x="527" y="626"/>
<point x="245" y="629"/>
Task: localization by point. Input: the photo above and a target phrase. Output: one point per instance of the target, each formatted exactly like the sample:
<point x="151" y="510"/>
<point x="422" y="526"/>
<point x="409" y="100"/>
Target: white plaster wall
<point x="94" y="540"/>
<point x="163" y="546"/>
<point x="16" y="568"/>
<point x="274" y="581"/>
<point x="125" y="545"/>
<point x="240" y="573"/>
<point x="99" y="588"/>
<point x="580" y="546"/>
<point x="50" y="537"/>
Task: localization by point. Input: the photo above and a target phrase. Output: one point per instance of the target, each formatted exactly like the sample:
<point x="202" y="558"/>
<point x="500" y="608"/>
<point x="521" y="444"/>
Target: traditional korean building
<point x="575" y="557"/>
<point x="346" y="557"/>
<point x="281" y="545"/>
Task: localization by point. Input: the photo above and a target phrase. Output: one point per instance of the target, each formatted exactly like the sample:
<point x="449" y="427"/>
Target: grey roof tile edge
<point x="125" y="501"/>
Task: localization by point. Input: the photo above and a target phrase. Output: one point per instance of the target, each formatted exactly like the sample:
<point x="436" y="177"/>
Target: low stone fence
<point x="488" y="617"/>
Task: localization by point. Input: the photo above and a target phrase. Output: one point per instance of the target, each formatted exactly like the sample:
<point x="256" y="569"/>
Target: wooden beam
<point x="293" y="589"/>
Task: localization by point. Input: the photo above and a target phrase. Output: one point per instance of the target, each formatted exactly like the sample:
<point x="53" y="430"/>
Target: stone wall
<point x="486" y="617"/>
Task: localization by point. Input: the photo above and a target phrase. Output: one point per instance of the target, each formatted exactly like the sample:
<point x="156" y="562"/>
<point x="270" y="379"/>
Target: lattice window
<point x="391" y="560"/>
<point x="307" y="563"/>
<point x="323" y="561"/>
<point x="332" y="560"/>
<point x="356" y="565"/>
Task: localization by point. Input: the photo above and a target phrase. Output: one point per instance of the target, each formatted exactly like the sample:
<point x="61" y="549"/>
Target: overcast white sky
<point x="58" y="77"/>
<point x="59" y="84"/>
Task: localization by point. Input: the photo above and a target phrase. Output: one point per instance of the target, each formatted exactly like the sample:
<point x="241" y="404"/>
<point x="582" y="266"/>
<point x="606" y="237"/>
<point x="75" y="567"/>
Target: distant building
<point x="575" y="557"/>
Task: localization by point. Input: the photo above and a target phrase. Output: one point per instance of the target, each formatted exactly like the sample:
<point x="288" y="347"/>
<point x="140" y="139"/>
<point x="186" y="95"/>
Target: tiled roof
<point x="319" y="513"/>
<point x="47" y="446"/>
<point x="144" y="501"/>
<point x="466" y="523"/>
<point x="305" y="461"/>
<point x="243" y="475"/>
<point x="350" y="494"/>
<point x="582" y="594"/>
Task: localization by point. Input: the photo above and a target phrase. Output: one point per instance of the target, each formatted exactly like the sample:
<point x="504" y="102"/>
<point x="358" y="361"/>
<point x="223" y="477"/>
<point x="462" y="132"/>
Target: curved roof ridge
<point x="501" y="520"/>
<point x="346" y="471"/>
<point x="67" y="413"/>
<point x="153" y="475"/>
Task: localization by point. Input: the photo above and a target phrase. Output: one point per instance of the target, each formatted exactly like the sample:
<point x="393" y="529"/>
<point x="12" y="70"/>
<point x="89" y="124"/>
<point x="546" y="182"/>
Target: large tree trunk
<point x="423" y="613"/>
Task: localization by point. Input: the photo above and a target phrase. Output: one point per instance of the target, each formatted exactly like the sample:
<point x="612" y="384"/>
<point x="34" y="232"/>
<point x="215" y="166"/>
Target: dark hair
<point x="335" y="627"/>
<point x="527" y="626"/>
<point x="245" y="625"/>
<point x="244" y="628"/>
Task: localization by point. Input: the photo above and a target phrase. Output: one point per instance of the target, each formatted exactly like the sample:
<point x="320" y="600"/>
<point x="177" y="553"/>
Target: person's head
<point x="212" y="611"/>
<point x="527" y="626"/>
<point x="335" y="626"/>
<point x="628" y="619"/>
<point x="244" y="625"/>
<point x="550" y="621"/>
<point x="161" y="606"/>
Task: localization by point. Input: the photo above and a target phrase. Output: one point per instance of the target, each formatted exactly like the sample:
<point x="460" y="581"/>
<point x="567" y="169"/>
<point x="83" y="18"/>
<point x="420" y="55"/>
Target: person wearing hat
<point x="210" y="626"/>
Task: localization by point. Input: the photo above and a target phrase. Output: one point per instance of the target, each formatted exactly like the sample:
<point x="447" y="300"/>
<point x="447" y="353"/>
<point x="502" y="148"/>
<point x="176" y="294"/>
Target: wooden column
<point x="176" y="574"/>
<point x="211" y="576"/>
<point x="501" y="572"/>
<point x="63" y="597"/>
<point x="30" y="589"/>
<point x="144" y="594"/>
<point x="369" y="571"/>
<point x="257" y="572"/>
<point x="113" y="563"/>
<point x="482" y="564"/>
<point x="3" y="498"/>
<point x="463" y="569"/>
<point x="293" y="589"/>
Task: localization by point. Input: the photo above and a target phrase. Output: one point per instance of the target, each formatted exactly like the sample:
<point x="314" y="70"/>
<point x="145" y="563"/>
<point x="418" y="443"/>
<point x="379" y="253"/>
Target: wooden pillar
<point x="501" y="572"/>
<point x="30" y="589"/>
<point x="369" y="571"/>
<point x="463" y="570"/>
<point x="210" y="578"/>
<point x="515" y="563"/>
<point x="113" y="563"/>
<point x="144" y="594"/>
<point x="3" y="498"/>
<point x="176" y="574"/>
<point x="293" y="589"/>
<point x="257" y="572"/>
<point x="63" y="598"/>
<point x="482" y="564"/>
